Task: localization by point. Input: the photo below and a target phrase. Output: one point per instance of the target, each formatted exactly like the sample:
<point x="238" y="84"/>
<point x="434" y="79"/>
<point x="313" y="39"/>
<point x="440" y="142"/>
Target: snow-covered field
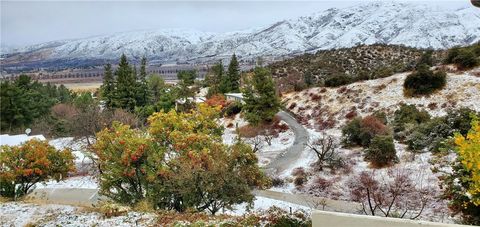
<point x="25" y="214"/>
<point x="22" y="214"/>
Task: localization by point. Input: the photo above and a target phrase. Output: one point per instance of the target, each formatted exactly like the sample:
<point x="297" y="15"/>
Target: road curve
<point x="293" y="153"/>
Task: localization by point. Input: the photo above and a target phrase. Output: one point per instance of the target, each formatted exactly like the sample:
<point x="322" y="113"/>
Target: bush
<point x="381" y="151"/>
<point x="277" y="182"/>
<point x="464" y="57"/>
<point x="405" y="115"/>
<point x="360" y="131"/>
<point x="337" y="80"/>
<point x="431" y="135"/>
<point x="233" y="109"/>
<point x="424" y="81"/>
<point x="35" y="161"/>
<point x="217" y="100"/>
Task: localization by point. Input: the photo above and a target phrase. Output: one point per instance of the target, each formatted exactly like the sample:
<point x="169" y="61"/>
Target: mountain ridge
<point x="406" y="24"/>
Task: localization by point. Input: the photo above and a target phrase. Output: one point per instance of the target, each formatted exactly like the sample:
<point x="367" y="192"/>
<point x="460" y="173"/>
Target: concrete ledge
<point x="332" y="219"/>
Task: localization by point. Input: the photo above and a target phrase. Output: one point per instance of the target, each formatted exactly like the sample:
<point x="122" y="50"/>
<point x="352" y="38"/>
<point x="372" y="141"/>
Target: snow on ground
<point x="262" y="203"/>
<point x="266" y="152"/>
<point x="385" y="94"/>
<point x="89" y="182"/>
<point x="23" y="214"/>
<point x="78" y="149"/>
<point x="318" y="105"/>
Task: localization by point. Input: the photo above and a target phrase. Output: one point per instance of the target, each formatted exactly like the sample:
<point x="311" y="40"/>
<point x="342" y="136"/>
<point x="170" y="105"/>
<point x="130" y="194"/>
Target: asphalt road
<point x="288" y="157"/>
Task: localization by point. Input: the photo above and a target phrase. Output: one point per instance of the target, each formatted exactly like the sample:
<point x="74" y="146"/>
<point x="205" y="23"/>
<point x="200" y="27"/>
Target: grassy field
<point x="79" y="87"/>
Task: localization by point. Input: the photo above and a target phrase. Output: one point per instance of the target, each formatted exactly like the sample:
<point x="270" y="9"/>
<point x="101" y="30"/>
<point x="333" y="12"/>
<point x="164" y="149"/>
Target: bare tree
<point x="396" y="195"/>
<point x="256" y="142"/>
<point x="325" y="149"/>
<point x="316" y="203"/>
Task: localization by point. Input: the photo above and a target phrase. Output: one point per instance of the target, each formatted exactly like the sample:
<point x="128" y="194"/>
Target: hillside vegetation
<point x="343" y="66"/>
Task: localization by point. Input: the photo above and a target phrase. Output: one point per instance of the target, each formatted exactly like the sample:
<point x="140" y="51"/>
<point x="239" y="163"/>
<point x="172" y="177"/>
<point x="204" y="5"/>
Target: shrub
<point x="466" y="59"/>
<point x="277" y="182"/>
<point x="217" y="100"/>
<point x="381" y="151"/>
<point x="233" y="108"/>
<point x="424" y="81"/>
<point x="431" y="135"/>
<point x="292" y="106"/>
<point x="35" y="161"/>
<point x="337" y="80"/>
<point x="426" y="58"/>
<point x="360" y="131"/>
<point x="407" y="114"/>
<point x="463" y="57"/>
<point x="299" y="181"/>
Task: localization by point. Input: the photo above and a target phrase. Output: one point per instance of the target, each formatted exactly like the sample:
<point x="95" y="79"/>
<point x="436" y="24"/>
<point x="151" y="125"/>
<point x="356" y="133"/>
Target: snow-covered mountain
<point x="389" y="23"/>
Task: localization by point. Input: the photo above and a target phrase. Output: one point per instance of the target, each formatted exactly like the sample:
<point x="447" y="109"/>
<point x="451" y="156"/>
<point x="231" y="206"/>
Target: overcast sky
<point x="24" y="23"/>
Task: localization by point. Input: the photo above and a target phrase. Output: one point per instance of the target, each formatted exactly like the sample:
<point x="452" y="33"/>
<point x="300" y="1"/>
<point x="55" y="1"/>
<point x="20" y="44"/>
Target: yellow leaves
<point x="469" y="151"/>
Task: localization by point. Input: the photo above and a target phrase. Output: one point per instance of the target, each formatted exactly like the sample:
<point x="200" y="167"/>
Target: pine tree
<point x="215" y="79"/>
<point x="261" y="101"/>
<point x="126" y="84"/>
<point x="142" y="86"/>
<point x="233" y="76"/>
<point x="108" y="87"/>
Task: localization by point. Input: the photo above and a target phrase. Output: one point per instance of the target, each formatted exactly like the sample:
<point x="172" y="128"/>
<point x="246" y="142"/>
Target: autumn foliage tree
<point x="463" y="184"/>
<point x="180" y="163"/>
<point x="21" y="167"/>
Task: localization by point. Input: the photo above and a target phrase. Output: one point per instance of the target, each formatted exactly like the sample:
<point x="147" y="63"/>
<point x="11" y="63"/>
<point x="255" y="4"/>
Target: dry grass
<point x="83" y="87"/>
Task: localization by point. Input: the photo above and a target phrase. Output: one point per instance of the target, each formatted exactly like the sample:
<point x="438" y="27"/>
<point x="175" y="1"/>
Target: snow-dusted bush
<point x="431" y="135"/>
<point x="407" y="115"/>
<point x="381" y="151"/>
<point x="300" y="176"/>
<point x="424" y="81"/>
<point x="465" y="58"/>
<point x="360" y="131"/>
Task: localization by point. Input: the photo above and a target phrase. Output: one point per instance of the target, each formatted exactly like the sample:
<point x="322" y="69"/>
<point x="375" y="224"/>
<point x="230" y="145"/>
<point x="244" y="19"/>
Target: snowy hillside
<point x="389" y="23"/>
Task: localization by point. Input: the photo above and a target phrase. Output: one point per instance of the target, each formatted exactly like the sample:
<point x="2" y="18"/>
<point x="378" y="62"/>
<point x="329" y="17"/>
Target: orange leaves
<point x="217" y="100"/>
<point x="34" y="161"/>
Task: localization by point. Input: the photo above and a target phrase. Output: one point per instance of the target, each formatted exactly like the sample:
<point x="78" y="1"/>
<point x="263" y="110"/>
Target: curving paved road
<point x="292" y="154"/>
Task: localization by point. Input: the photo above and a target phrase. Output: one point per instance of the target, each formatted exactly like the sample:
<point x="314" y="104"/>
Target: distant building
<point x="16" y="140"/>
<point x="234" y="97"/>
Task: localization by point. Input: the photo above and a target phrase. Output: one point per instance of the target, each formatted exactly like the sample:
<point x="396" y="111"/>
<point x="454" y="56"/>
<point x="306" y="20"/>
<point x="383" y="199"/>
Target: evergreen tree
<point x="142" y="89"/>
<point x="215" y="80"/>
<point x="187" y="77"/>
<point x="126" y="84"/>
<point x="23" y="101"/>
<point x="232" y="80"/>
<point x="108" y="87"/>
<point x="261" y="101"/>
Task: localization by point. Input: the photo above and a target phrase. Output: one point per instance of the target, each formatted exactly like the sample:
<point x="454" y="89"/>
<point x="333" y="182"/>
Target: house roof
<point x="14" y="140"/>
